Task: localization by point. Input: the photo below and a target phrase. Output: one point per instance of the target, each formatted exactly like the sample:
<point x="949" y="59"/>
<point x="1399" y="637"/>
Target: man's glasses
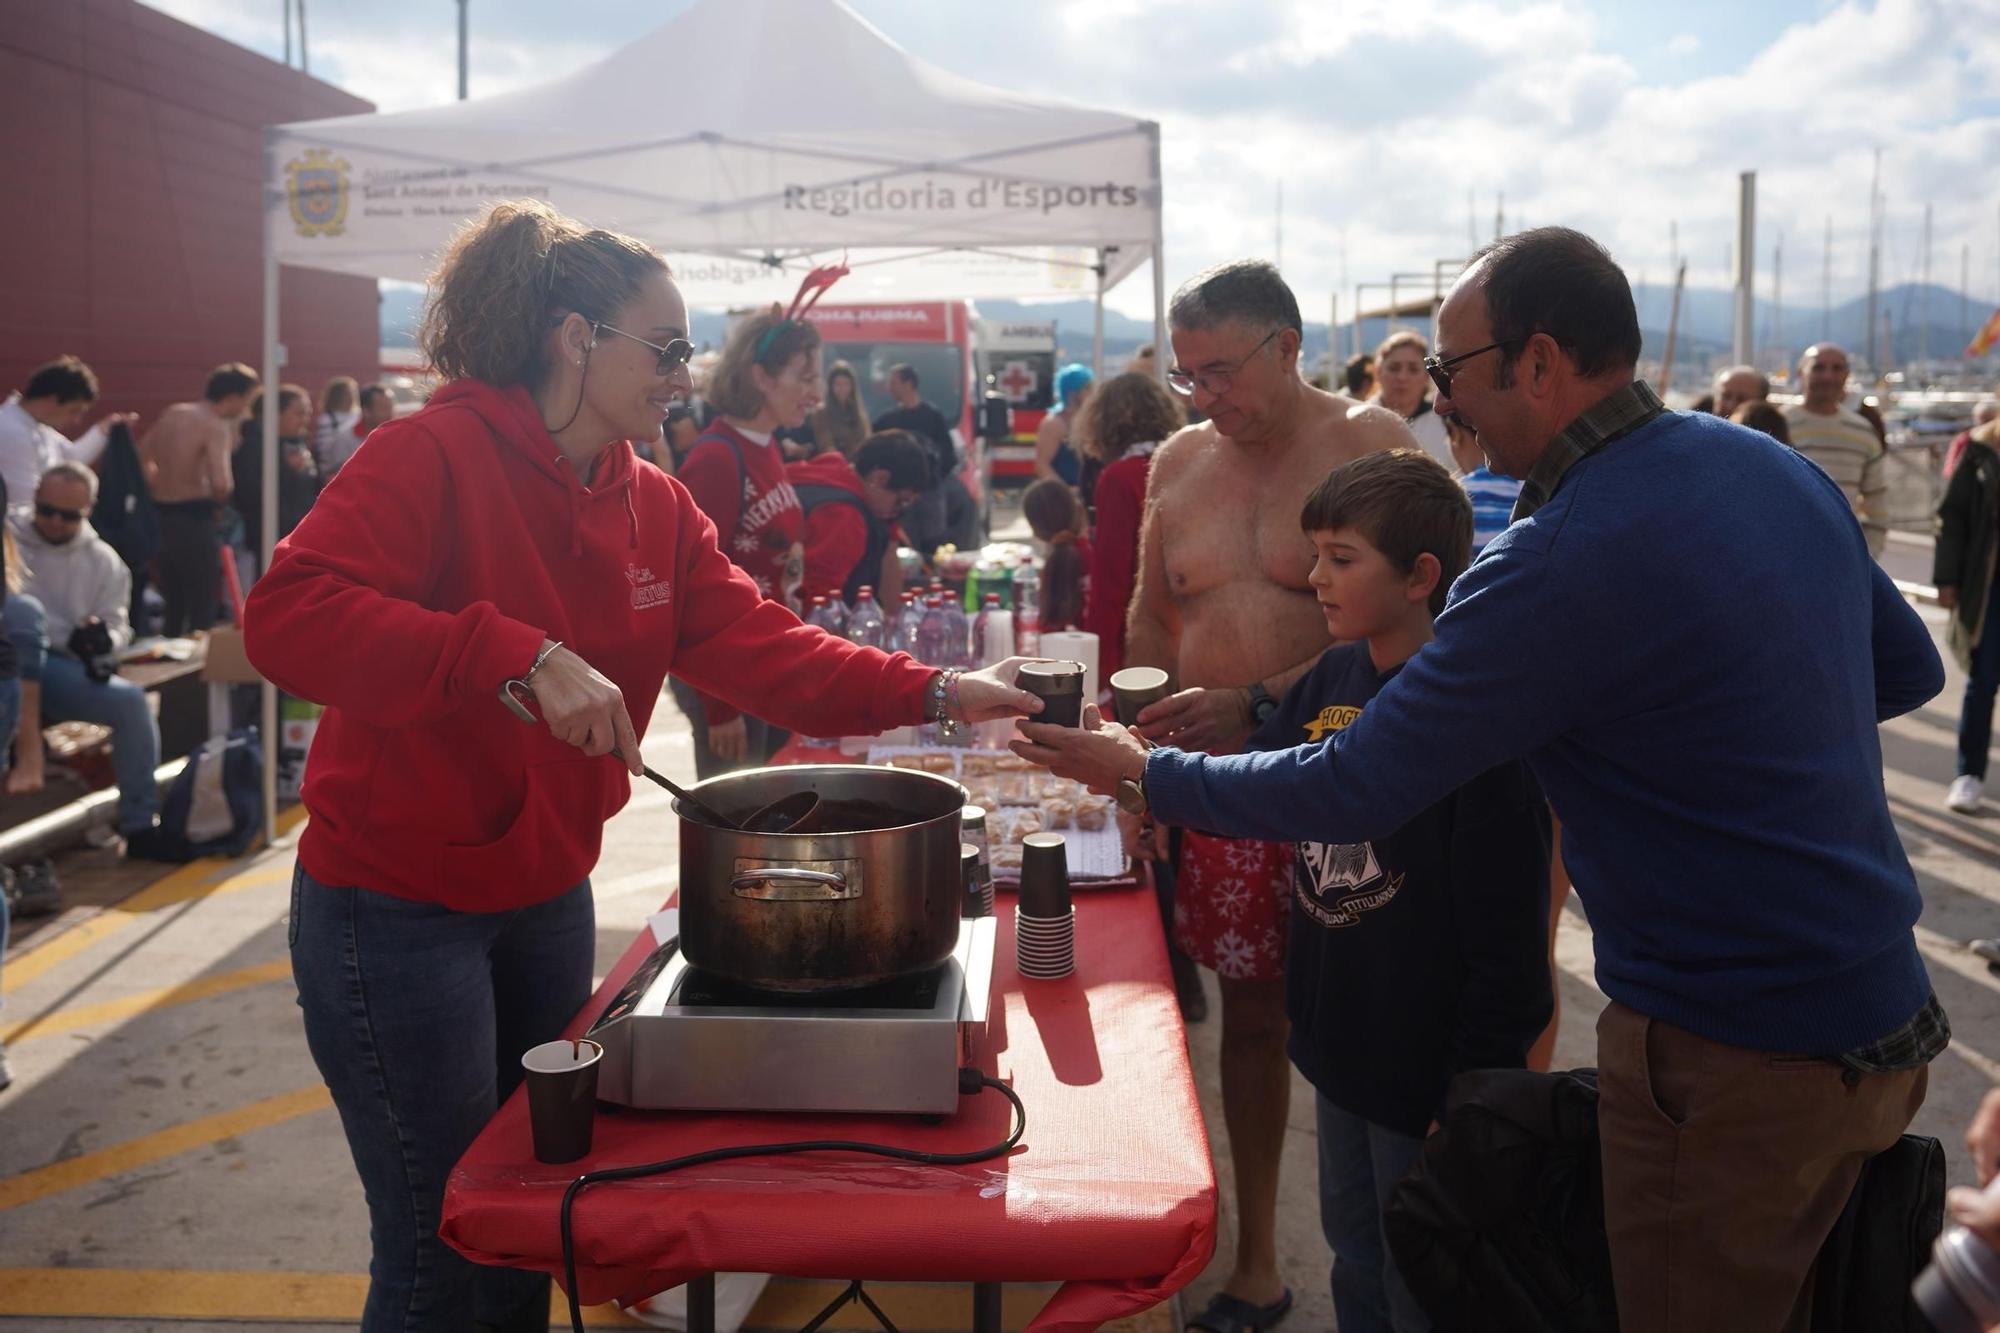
<point x="1440" y="371"/>
<point x="672" y="357"/>
<point x="66" y="515"/>
<point x="1214" y="383"/>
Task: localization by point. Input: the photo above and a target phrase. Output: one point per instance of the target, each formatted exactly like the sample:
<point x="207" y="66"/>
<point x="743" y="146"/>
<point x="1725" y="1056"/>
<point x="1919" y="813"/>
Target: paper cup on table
<point x="1059" y="685"/>
<point x="1044" y="876"/>
<point x="1081" y="646"/>
<point x="562" y="1097"/>
<point x="1134" y="688"/>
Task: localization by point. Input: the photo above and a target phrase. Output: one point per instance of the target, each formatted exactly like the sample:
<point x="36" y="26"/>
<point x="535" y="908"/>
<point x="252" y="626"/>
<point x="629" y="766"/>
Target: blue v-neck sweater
<point x="1691" y="647"/>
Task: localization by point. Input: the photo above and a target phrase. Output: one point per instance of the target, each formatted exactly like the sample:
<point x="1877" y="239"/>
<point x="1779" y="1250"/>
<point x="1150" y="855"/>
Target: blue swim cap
<point x="1069" y="380"/>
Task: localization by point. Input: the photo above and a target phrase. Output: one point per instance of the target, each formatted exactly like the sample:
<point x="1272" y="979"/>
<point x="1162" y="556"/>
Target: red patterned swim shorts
<point x="1233" y="904"/>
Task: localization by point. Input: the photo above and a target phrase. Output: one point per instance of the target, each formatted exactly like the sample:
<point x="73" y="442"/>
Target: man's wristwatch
<point x="1262" y="705"/>
<point x="1131" y="794"/>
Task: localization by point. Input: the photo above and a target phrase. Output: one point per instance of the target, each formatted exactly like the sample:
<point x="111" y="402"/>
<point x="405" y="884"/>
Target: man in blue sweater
<point x="1684" y="635"/>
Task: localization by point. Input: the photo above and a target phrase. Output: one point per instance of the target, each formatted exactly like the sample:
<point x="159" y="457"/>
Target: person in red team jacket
<point x="441" y="917"/>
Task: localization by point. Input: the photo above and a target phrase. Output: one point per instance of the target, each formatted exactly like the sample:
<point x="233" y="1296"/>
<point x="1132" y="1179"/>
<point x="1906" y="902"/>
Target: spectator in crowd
<point x="20" y="662"/>
<point x="1234" y="626"/>
<point x="1056" y="517"/>
<point x="298" y="473"/>
<point x="1739" y="385"/>
<point x="377" y="408"/>
<point x="1983" y="411"/>
<point x="333" y="427"/>
<point x="1841" y="440"/>
<point x="1968" y="542"/>
<point x="1492" y="495"/>
<point x="851" y="511"/>
<point x="1126" y="420"/>
<point x="1055" y="453"/>
<point x="1446" y="912"/>
<point x="679" y="434"/>
<point x="945" y="513"/>
<point x="1704" y="404"/>
<point x="186" y="454"/>
<point x="1359" y="377"/>
<point x="839" y="423"/>
<point x="768" y="378"/>
<point x="1751" y="1059"/>
<point x="86" y="591"/>
<point x="36" y="423"/>
<point x="1762" y="416"/>
<point x="1403" y="388"/>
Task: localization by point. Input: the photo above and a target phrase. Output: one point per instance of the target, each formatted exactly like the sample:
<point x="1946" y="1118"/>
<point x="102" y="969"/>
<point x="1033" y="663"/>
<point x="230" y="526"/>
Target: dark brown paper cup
<point x="562" y="1097"/>
<point x="1134" y="688"/>
<point x="1044" y="876"/>
<point x="1059" y="685"/>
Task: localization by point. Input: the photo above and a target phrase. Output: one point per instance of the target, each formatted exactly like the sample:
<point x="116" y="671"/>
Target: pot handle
<point x="793" y="884"/>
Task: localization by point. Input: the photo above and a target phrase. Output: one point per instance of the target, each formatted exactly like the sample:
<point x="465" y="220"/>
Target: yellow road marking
<point x="145" y="1002"/>
<point x="171" y="1293"/>
<point x="197" y="879"/>
<point x="56" y="1177"/>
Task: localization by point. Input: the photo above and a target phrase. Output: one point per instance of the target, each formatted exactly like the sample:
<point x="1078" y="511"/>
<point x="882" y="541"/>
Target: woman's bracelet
<point x="945" y="708"/>
<point x="528" y="678"/>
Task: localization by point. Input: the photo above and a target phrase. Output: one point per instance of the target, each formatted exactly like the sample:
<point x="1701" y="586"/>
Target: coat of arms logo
<point x="316" y="189"/>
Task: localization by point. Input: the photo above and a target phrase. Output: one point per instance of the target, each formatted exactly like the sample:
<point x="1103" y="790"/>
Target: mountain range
<point x="1706" y="320"/>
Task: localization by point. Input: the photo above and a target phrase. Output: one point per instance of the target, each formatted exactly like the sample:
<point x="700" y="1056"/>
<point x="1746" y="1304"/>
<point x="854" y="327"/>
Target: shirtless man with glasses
<point x="1223" y="605"/>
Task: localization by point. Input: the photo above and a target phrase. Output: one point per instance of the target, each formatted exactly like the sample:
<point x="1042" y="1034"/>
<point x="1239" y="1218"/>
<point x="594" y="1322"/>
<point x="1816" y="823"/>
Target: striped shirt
<point x="1846" y="449"/>
<point x="1492" y="499"/>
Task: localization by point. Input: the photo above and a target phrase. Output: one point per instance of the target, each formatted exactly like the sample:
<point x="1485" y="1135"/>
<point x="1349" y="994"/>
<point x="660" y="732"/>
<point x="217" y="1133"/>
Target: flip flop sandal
<point x="1233" y="1314"/>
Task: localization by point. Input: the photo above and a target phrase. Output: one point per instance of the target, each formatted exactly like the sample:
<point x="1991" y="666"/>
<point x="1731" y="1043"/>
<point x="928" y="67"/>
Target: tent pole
<point x="268" y="710"/>
<point x="1162" y="354"/>
<point x="1097" y="328"/>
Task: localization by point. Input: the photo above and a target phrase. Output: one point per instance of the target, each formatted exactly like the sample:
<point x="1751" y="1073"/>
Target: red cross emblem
<point x="1017" y="381"/>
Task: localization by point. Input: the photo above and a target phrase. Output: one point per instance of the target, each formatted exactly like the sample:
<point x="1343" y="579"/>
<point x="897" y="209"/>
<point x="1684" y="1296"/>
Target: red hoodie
<point x="431" y="569"/>
<point x="836" y="533"/>
<point x="740" y="484"/>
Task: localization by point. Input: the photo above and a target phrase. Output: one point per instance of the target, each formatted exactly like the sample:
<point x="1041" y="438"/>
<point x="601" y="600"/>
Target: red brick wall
<point x="131" y="169"/>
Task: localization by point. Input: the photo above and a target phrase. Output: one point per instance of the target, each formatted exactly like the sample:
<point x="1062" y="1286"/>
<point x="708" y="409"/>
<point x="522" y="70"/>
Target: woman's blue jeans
<point x="417" y="1017"/>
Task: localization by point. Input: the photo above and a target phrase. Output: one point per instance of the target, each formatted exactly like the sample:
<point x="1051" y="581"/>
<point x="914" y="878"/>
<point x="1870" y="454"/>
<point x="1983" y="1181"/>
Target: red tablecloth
<point x="1110" y="1192"/>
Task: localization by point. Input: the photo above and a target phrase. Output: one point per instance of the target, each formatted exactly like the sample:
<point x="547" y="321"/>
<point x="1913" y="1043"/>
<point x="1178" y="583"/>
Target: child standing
<point x="1492" y="495"/>
<point x="1420" y="955"/>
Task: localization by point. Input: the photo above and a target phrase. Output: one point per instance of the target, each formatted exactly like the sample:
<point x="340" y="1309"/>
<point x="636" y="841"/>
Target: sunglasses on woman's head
<point x="66" y="515"/>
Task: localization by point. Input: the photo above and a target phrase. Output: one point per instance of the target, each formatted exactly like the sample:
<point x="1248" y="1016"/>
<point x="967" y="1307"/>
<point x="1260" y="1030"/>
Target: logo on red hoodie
<point x="647" y="591"/>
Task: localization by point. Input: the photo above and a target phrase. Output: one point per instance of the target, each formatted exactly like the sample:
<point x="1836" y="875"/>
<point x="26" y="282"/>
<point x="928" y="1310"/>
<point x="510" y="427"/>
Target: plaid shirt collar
<point x="1617" y="414"/>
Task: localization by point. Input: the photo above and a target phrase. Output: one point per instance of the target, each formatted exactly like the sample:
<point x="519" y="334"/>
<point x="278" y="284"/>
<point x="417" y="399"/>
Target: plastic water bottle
<point x="907" y="621"/>
<point x="830" y="616"/>
<point x="1027" y="610"/>
<point x="836" y="612"/>
<point x="958" y="633"/>
<point x="933" y="635"/>
<point x="866" y="626"/>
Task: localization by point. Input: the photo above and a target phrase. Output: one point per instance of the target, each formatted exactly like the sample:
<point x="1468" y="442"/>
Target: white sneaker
<point x="1965" y="794"/>
<point x="6" y="1070"/>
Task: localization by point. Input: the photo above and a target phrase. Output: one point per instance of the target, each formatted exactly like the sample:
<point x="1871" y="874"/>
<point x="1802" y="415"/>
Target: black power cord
<point x="970" y="1081"/>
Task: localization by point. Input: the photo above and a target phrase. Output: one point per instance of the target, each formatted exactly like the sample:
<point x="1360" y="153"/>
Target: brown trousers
<point x="1724" y="1170"/>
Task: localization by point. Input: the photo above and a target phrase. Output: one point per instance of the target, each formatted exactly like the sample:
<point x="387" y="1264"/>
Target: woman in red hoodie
<point x="506" y="540"/>
<point x="768" y="379"/>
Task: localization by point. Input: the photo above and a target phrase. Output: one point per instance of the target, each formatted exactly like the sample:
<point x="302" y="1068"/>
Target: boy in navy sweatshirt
<point x="1419" y="954"/>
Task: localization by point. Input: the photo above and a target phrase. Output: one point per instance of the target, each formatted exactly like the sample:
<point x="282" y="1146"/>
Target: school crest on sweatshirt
<point x="1337" y="883"/>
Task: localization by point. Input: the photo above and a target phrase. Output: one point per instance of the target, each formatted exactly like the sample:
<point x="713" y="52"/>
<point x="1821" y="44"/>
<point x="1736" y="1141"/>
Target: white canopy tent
<point x="747" y="140"/>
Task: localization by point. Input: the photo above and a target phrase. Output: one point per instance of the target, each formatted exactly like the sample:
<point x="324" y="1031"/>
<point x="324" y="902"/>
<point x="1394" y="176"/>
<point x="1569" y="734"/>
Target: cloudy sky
<point x="1381" y="118"/>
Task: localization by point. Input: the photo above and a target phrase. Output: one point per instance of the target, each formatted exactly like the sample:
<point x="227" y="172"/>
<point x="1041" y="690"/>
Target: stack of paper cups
<point x="1075" y="646"/>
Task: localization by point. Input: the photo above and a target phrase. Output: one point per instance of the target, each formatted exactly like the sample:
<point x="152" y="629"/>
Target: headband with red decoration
<point x="810" y="290"/>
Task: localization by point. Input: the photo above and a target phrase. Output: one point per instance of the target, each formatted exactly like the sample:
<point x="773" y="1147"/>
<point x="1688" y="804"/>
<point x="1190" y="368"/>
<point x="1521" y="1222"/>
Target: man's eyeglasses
<point x="66" y="515"/>
<point x="1214" y="383"/>
<point x="1440" y="371"/>
<point x="672" y="357"/>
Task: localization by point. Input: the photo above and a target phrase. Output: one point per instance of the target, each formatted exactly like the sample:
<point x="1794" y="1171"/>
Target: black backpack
<point x="1500" y="1226"/>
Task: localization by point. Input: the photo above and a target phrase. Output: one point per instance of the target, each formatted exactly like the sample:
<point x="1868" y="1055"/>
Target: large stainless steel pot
<point x="844" y="907"/>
